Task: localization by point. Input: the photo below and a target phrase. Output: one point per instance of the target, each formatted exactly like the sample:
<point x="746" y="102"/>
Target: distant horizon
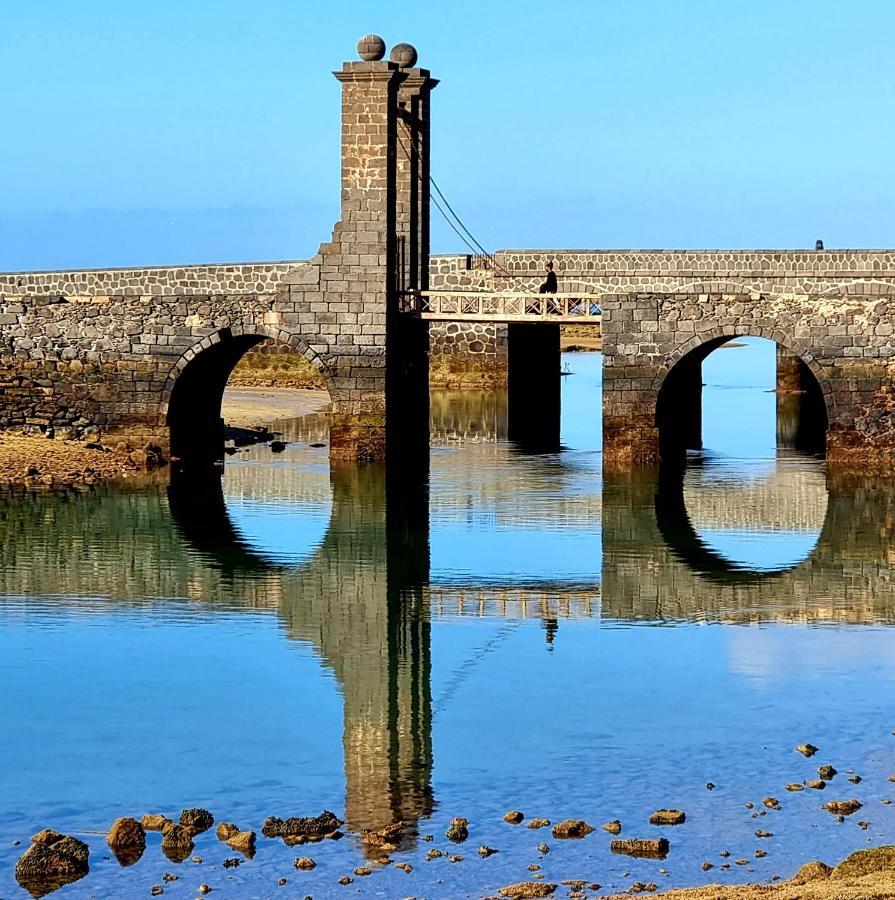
<point x="189" y="133"/>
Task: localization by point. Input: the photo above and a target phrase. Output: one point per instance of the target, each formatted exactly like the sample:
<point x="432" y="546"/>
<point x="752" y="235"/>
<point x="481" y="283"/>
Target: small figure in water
<point x="550" y="287"/>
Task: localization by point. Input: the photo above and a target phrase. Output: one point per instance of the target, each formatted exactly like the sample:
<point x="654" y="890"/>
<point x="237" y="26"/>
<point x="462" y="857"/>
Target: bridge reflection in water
<point x="366" y="599"/>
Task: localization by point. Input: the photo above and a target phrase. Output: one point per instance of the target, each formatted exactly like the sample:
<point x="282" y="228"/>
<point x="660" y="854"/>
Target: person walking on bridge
<point x="550" y="286"/>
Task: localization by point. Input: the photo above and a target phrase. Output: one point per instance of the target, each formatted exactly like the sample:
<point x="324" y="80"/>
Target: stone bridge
<point x="146" y="352"/>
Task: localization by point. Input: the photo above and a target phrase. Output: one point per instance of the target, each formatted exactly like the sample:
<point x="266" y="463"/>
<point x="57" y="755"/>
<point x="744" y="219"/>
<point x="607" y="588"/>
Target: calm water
<point x="541" y="639"/>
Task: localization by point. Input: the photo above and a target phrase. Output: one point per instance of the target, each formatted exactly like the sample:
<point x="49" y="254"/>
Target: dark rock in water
<point x="197" y="819"/>
<point x="865" y="862"/>
<point x="525" y="890"/>
<point x="127" y="840"/>
<point x="710" y="786"/>
<point x="303" y="826"/>
<point x="277" y="446"/>
<point x="170" y="876"/>
<point x="667" y="817"/>
<point x="842" y="807"/>
<point x="806" y="749"/>
<point x="225" y="831"/>
<point x="761" y="854"/>
<point x="485" y="851"/>
<point x="543" y="848"/>
<point x="230" y="451"/>
<point x="794" y="787"/>
<point x="764" y="834"/>
<point x="816" y="784"/>
<point x="156" y="890"/>
<point x="243" y="842"/>
<point x="572" y="828"/>
<point x="304" y="862"/>
<point x="613" y="827"/>
<point x="154" y="822"/>
<point x="204" y="889"/>
<point x="52" y="861"/>
<point x="177" y="842"/>
<point x="855" y="779"/>
<point x="538" y="822"/>
<point x="231" y="863"/>
<point x="863" y="825"/>
<point x="363" y="871"/>
<point x="514" y="816"/>
<point x="346" y="879"/>
<point x="771" y="802"/>
<point x="385" y="839"/>
<point x="826" y="772"/>
<point x="458" y="832"/>
<point x="650" y="849"/>
<point x="318" y="445"/>
<point x="707" y="865"/>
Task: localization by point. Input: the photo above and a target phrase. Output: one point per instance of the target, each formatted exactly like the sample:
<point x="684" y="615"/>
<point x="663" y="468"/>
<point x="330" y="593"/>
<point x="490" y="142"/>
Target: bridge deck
<point x="502" y="306"/>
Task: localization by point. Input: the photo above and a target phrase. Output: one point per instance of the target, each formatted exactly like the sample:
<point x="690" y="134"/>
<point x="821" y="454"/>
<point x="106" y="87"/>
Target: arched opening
<point x="764" y="390"/>
<point x="196" y="392"/>
<point x="742" y="424"/>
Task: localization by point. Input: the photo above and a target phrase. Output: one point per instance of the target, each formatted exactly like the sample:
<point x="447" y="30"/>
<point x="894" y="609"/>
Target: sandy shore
<point x="865" y="875"/>
<point x="36" y="461"/>
<point x="246" y="407"/>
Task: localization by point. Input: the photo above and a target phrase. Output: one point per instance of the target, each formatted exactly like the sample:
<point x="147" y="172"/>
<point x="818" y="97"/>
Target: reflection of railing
<point x="502" y="306"/>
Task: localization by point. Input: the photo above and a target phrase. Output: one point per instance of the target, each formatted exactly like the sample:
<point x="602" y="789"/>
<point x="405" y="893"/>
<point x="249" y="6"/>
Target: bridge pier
<point x="534" y="386"/>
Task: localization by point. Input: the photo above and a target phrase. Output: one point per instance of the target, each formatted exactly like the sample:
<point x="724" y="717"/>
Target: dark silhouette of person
<point x="550" y="287"/>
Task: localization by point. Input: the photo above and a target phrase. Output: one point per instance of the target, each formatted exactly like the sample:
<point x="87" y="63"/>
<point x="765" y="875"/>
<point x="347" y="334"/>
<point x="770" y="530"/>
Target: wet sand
<point x="244" y="407"/>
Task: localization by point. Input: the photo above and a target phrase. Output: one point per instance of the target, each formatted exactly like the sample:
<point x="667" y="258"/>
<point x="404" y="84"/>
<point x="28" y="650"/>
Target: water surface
<point x="537" y="638"/>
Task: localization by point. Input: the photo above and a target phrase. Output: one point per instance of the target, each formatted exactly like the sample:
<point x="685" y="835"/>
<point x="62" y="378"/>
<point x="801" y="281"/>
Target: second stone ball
<point x="371" y="48"/>
<point x="404" y="55"/>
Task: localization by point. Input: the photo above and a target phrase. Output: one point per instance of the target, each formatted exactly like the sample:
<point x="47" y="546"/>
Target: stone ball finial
<point x="371" y="48"/>
<point x="404" y="55"/>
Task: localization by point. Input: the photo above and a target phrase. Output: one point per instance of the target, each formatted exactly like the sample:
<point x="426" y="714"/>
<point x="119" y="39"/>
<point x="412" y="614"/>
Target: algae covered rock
<point x="127" y="840"/>
<point x="52" y="860"/>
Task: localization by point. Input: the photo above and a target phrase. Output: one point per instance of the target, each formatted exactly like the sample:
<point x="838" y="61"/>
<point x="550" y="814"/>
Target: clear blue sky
<point x="207" y="130"/>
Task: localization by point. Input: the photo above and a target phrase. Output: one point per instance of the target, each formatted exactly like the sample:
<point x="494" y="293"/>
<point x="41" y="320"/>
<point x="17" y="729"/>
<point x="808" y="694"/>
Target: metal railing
<point x="502" y="306"/>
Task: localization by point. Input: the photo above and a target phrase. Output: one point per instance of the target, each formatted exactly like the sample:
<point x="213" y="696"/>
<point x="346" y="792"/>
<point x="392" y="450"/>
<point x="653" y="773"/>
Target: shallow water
<point x="538" y="638"/>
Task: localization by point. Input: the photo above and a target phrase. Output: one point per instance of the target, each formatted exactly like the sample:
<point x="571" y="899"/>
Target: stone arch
<point x="695" y="349"/>
<point x="273" y="332"/>
<point x="190" y="402"/>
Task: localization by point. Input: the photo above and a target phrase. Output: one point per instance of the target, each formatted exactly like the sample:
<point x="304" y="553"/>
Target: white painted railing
<point x="502" y="306"/>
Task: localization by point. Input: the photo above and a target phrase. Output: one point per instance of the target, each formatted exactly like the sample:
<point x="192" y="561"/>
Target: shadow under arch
<point x="682" y="539"/>
<point x="678" y="387"/>
<point x="194" y="390"/>
<point x="359" y="601"/>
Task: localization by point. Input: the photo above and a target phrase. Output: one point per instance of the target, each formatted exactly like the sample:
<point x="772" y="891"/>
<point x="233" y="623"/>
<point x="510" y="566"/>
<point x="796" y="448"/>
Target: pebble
<point x="204" y="889"/>
<point x="855" y="779"/>
<point x="304" y="862"/>
<point x="761" y="854"/>
<point x="537" y="822"/>
<point x="806" y="749"/>
<point x="534" y="867"/>
<point x="710" y="786"/>
<point x="764" y="834"/>
<point x="231" y="863"/>
<point x="156" y="890"/>
<point x="543" y="848"/>
<point x="795" y="786"/>
<point x="363" y="871"/>
<point x="771" y="802"/>
<point x="514" y="816"/>
<point x="863" y="825"/>
<point x="170" y="876"/>
<point x="434" y="853"/>
<point x="842" y="807"/>
<point x="653" y="849"/>
<point x="485" y="852"/>
<point x="667" y="817"/>
<point x="817" y="784"/>
<point x="345" y="879"/>
<point x="404" y="867"/>
<point x="281" y="881"/>
<point x="707" y="865"/>
<point x="827" y="773"/>
<point x="455" y="859"/>
<point x="750" y="806"/>
<point x="572" y="828"/>
<point x="613" y="827"/>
